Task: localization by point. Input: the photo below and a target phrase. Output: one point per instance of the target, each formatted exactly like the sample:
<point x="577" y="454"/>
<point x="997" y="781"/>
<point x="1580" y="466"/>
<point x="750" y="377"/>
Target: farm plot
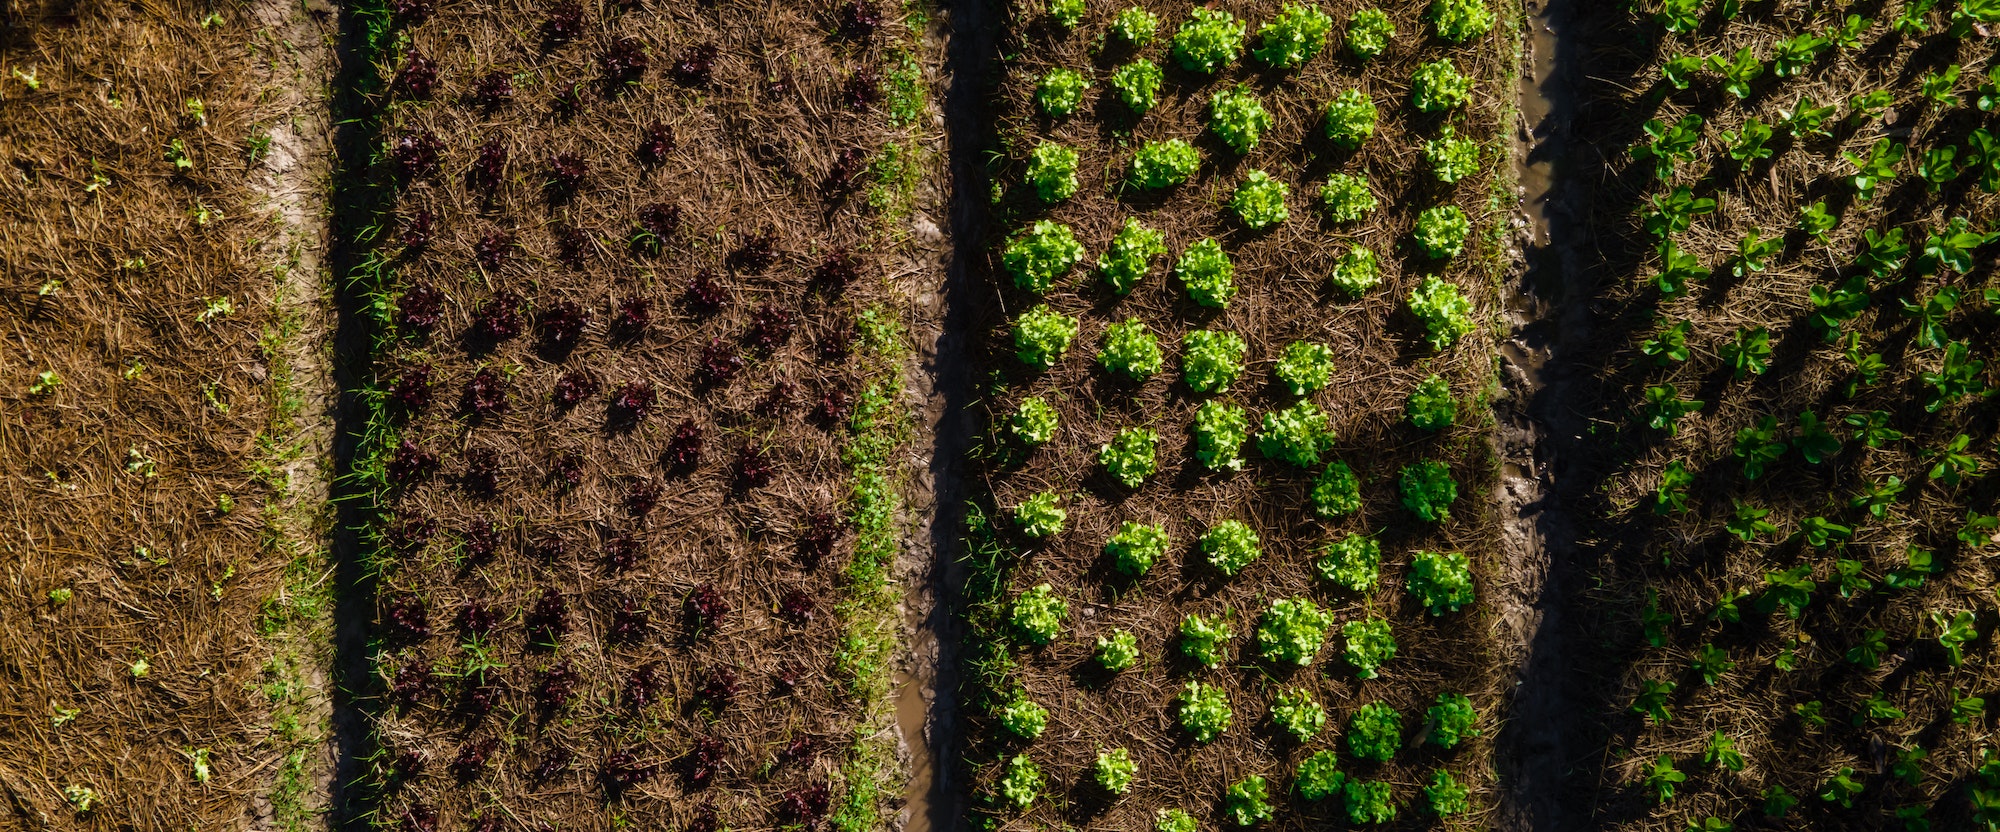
<point x="639" y="395"/>
<point x="1787" y="598"/>
<point x="162" y="584"/>
<point x="1236" y="364"/>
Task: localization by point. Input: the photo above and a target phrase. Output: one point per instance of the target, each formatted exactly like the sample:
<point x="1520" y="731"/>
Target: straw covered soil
<point x="141" y="409"/>
<point x="1283" y="296"/>
<point x="1654" y="582"/>
<point x="640" y="264"/>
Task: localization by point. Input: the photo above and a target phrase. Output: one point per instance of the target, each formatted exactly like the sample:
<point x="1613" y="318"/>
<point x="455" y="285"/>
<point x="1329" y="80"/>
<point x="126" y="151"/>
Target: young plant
<point x="1060" y="91"/>
<point x="1219" y="433"/>
<point x="1039" y="258"/>
<point x="1346" y="197"/>
<point x="1304" y="367"/>
<point x="1337" y="492"/>
<point x="1791" y="56"/>
<point x="1022" y="783"/>
<point x="1210" y="360"/>
<point x="1292" y="630"/>
<point x="1451" y="720"/>
<point x="1751" y="145"/>
<point x="1441" y="231"/>
<point x="1668" y="145"/>
<point x="1207" y="273"/>
<point x="1750" y="353"/>
<point x="1375" y="732"/>
<point x="1451" y="158"/>
<point x="1428" y="490"/>
<point x="1438" y="86"/>
<point x="1445" y="796"/>
<point x="1033" y="423"/>
<point x="1231" y="545"/>
<point x="1135" y="27"/>
<point x="1664" y="408"/>
<point x="1066" y="14"/>
<point x="1356" y="272"/>
<point x="1353" y="563"/>
<point x="1441" y="581"/>
<point x="1175" y="820"/>
<point x="1114" y="771"/>
<point x="1210" y="40"/>
<point x="1368" y="802"/>
<point x="1130" y="350"/>
<point x="1203" y="711"/>
<point x="1738" y="72"/>
<point x="1042" y="336"/>
<point x="1129" y="457"/>
<point x="1759" y="446"/>
<point x="1297" y="435"/>
<point x="1130" y="256"/>
<point x="1294" y="36"/>
<point x="1135" y="547"/>
<point x="1806" y="119"/>
<point x="1052" y="172"/>
<point x="1458" y="21"/>
<point x="1205" y="639"/>
<point x="1815" y="221"/>
<point x="1431" y="407"/>
<point x="1298" y="714"/>
<point x="1445" y="312"/>
<point x="1163" y="164"/>
<point x="1023" y="717"/>
<point x="1369" y="645"/>
<point x="1368" y="33"/>
<point x="1041" y="516"/>
<point x="1674" y="212"/>
<point x="1319" y="776"/>
<point x="1117" y="652"/>
<point x="1879" y="167"/>
<point x="1037" y="615"/>
<point x="1247" y="802"/>
<point x="1260" y="201"/>
<point x="1238" y="118"/>
<point x="1753" y="253"/>
<point x="1350" y="119"/>
<point x="1663" y="779"/>
<point x="1138" y="84"/>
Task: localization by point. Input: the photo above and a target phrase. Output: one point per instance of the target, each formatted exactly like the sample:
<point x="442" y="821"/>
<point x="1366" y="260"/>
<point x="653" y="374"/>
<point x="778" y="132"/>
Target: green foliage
<point x="1749" y="354"/>
<point x="1175" y="820"/>
<point x="1806" y="118"/>
<point x="1445" y="796"/>
<point x="1319" y="776"/>
<point x="1673" y="494"/>
<point x="1210" y="360"/>
<point x="1060" y="91"/>
<point x="1368" y="33"/>
<point x="1350" y="119"/>
<point x="1135" y="26"/>
<point x="1204" y="711"/>
<point x="1664" y="408"/>
<point x="1114" y="771"/>
<point x="1042" y="336"/>
<point x="1738" y="72"/>
<point x="1674" y="212"/>
<point x="1052" y="172"/>
<point x="1294" y="36"/>
<point x="1041" y="516"/>
<point x="1353" y="563"/>
<point x="1791" y="56"/>
<point x="1131" y="255"/>
<point x="1750" y="145"/>
<point x="1042" y="256"/>
<point x="1297" y="434"/>
<point x="1346" y="197"/>
<point x="1033" y="422"/>
<point x="1841" y="788"/>
<point x="1230" y="545"/>
<point x="1431" y="407"/>
<point x="1721" y="753"/>
<point x="1356" y="272"/>
<point x="1663" y="778"/>
<point x="1458" y="21"/>
<point x="1711" y="663"/>
<point x="1445" y="312"/>
<point x="1163" y="164"/>
<point x="1450" y="157"/>
<point x="1953" y="633"/>
<point x="1207" y="273"/>
<point x="1138" y="86"/>
<point x="1441" y="581"/>
<point x="1205" y="640"/>
<point x="1438" y="86"/>
<point x="1337" y="492"/>
<point x="1219" y="433"/>
<point x="1451" y="720"/>
<point x="1118" y="651"/>
<point x="1879" y="167"/>
<point x="1298" y="714"/>
<point x="1023" y="718"/>
<point x="1369" y="802"/>
<point x="1374" y="732"/>
<point x="1210" y="40"/>
<point x="1022" y="782"/>
<point x="1135" y="547"/>
<point x="1292" y="630"/>
<point x="1130" y="350"/>
<point x="1441" y="231"/>
<point x="1130" y="457"/>
<point x="1652" y="700"/>
<point x="1066" y="13"/>
<point x="1428" y="490"/>
<point x="1369" y="645"/>
<point x="1959" y="376"/>
<point x="1248" y="801"/>
<point x="1305" y="367"/>
<point x="1038" y="614"/>
<point x="1667" y="144"/>
<point x="1238" y="118"/>
<point x="1790" y="590"/>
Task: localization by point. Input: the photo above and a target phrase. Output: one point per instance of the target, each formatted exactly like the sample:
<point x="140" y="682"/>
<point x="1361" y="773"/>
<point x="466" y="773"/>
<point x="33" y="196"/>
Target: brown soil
<point x="153" y="485"/>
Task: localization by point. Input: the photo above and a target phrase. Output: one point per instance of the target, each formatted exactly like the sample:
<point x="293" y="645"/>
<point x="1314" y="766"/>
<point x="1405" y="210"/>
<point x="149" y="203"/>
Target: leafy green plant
<point x="1033" y="422"/>
<point x="1042" y="336"/>
<point x="1951" y="247"/>
<point x="1130" y="350"/>
<point x="1066" y="13"/>
<point x="1219" y="433"/>
<point x="1749" y="354"/>
<point x="1304" y="367"/>
<point x="1667" y="145"/>
<point x="1060" y="91"/>
<point x="1431" y="407"/>
<point x="1841" y="788"/>
<point x="1444" y="311"/>
<point x="1451" y="720"/>
<point x="1041" y="516"/>
<point x="1753" y="253"/>
<point x="1350" y="119"/>
<point x="1679" y="17"/>
<point x="1038" y="614"/>
<point x="1319" y="776"/>
<point x="1445" y="796"/>
<point x="1138" y="85"/>
<point x="1451" y="158"/>
<point x="1789" y="589"/>
<point x="1130" y="456"/>
<point x="1210" y="40"/>
<point x="1230" y="545"/>
<point x="1673" y="212"/>
<point x="1298" y="714"/>
<point x="1204" y="639"/>
<point x="1175" y="820"/>
<point x="1039" y="258"/>
<point x="1806" y="118"/>
<point x="1958" y="377"/>
<point x="1247" y="802"/>
<point x="1663" y="778"/>
<point x="1374" y="732"/>
<point x="1346" y="197"/>
<point x="1117" y="652"/>
<point x="1739" y="72"/>
<point x="1021" y="783"/>
<point x="1023" y="718"/>
<point x="1458" y="21"/>
<point x="1238" y="118"/>
<point x="1260" y="201"/>
<point x="1135" y="26"/>
<point x="1665" y="408"/>
<point x="1441" y="231"/>
<point x="1369" y="645"/>
<point x="1711" y="662"/>
<point x="1879" y="167"/>
<point x="1353" y="563"/>
<point x="1292" y="630"/>
<point x="1651" y="701"/>
<point x="1114" y="771"/>
<point x="1721" y="753"/>
<point x="1791" y="56"/>
<point x="1369" y="802"/>
<point x="1678" y="268"/>
<point x="1210" y="360"/>
<point x="1204" y="711"/>
<point x="1163" y="164"/>
<point x="1294" y="36"/>
<point x="1868" y="105"/>
<point x="1428" y="490"/>
<point x="1128" y="260"/>
<point x="1438" y="86"/>
<point x="1207" y="273"/>
<point x="1337" y="492"/>
<point x="1135" y="547"/>
<point x="1673" y="494"/>
<point x="1297" y="434"/>
<point x="1356" y="272"/>
<point x="1954" y="461"/>
<point x="1759" y="446"/>
<point x="1052" y="172"/>
<point x="1670" y="346"/>
<point x="1368" y="33"/>
<point x="1751" y="144"/>
<point x="1816" y="221"/>
<point x="1441" y="581"/>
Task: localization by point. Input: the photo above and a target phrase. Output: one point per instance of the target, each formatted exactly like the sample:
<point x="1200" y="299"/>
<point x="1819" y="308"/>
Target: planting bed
<point x="1827" y="617"/>
<point x="638" y="400"/>
<point x="1045" y="591"/>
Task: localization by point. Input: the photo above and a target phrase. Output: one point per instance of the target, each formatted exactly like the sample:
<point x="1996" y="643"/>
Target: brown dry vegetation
<point x="587" y="504"/>
<point x="144" y="490"/>
<point x="1631" y="554"/>
<point x="1283" y="297"/>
